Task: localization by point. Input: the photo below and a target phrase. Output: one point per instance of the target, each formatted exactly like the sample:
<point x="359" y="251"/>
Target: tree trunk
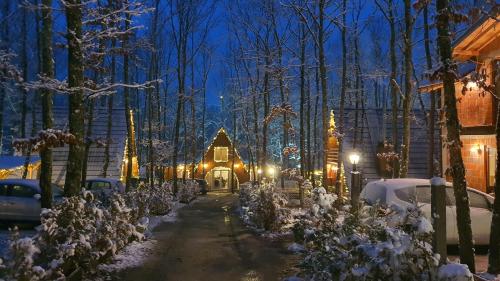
<point x="432" y="112"/>
<point x="342" y="100"/>
<point x="128" y="112"/>
<point x="47" y="70"/>
<point x="72" y="184"/>
<point x="266" y="112"/>
<point x="5" y="38"/>
<point x="324" y="88"/>
<point x="494" y="250"/>
<point x="24" y="101"/>
<point x="453" y="136"/>
<point x="394" y="91"/>
<point x="405" y="148"/>
<point x="88" y="140"/>
<point x="109" y="122"/>
<point x="302" y="144"/>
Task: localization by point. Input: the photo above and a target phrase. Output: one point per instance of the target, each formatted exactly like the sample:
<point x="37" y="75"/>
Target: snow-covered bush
<point x="188" y="191"/>
<point x="160" y="199"/>
<point x="367" y="244"/>
<point x="454" y="272"/>
<point x="264" y="206"/>
<point x="79" y="234"/>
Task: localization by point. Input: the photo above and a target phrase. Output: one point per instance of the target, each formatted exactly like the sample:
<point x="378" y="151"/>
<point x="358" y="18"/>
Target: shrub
<point x="368" y="244"/>
<point x="188" y="191"/>
<point x="264" y="207"/>
<point x="80" y="233"/>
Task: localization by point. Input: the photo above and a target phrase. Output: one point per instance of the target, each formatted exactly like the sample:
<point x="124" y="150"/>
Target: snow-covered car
<point x="104" y="187"/>
<point x="407" y="191"/>
<point x="20" y="199"/>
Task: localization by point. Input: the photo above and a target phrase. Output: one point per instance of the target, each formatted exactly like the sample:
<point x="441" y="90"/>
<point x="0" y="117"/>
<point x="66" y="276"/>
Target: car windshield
<point x="406" y="194"/>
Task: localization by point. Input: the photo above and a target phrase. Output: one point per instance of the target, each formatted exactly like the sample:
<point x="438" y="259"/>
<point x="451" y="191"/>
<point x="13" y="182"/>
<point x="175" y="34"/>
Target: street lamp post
<point x="355" y="179"/>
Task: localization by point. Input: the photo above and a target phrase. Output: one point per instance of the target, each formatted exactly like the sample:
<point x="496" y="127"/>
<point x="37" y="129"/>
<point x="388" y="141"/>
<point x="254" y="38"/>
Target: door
<point x="6" y="208"/>
<point x="451" y="217"/>
<point x="220" y="179"/>
<point x="480" y="216"/>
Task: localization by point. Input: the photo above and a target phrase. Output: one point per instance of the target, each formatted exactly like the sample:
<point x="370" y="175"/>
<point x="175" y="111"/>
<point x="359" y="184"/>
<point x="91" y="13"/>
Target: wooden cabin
<point x="216" y="165"/>
<point x="479" y="46"/>
<point x="332" y="152"/>
<point x="117" y="164"/>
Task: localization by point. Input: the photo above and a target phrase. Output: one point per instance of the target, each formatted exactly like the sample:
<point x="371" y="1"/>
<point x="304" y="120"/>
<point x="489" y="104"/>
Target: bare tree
<point x="457" y="169"/>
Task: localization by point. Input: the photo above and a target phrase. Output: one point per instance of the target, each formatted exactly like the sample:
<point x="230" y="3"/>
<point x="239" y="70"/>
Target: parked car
<point x="104" y="187"/>
<point x="20" y="199"/>
<point x="203" y="185"/>
<point x="405" y="192"/>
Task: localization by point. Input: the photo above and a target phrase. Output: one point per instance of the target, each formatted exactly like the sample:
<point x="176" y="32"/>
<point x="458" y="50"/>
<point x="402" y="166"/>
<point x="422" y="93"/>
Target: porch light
<point x="354" y="158"/>
<point x="471" y="85"/>
<point x="236" y="166"/>
<point x="476" y="149"/>
<point x="205" y="166"/>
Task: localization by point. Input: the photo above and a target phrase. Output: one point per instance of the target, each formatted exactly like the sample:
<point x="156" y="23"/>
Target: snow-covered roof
<point x="96" y="153"/>
<point x="399" y="183"/>
<point x="11" y="162"/>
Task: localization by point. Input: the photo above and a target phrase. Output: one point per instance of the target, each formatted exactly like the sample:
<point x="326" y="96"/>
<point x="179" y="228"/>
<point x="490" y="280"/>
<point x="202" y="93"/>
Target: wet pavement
<point x="209" y="242"/>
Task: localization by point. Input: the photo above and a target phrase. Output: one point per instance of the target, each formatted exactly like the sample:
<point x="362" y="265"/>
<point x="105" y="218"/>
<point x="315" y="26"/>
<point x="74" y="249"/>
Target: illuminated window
<point x="220" y="154"/>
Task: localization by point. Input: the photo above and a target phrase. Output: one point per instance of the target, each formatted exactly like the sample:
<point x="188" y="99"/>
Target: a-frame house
<point x="219" y="164"/>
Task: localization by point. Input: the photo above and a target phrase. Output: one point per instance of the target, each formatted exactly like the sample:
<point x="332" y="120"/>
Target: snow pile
<point x="264" y="207"/>
<point x="81" y="234"/>
<point x="133" y="255"/>
<point x="369" y="243"/>
<point x="188" y="191"/>
<point x="454" y="272"/>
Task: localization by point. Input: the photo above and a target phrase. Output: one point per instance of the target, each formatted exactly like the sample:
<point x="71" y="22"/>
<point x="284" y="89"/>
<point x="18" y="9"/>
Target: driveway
<point x="209" y="242"/>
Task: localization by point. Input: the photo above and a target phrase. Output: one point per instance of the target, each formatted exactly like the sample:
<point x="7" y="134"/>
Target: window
<point x="3" y="189"/>
<point x="477" y="200"/>
<point x="406" y="194"/>
<point x="220" y="154"/>
<point x="491" y="166"/>
<point x="100" y="185"/>
<point x="22" y="191"/>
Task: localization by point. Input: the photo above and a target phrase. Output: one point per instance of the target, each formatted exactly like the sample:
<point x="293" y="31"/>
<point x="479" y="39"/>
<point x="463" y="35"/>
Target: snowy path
<point x="209" y="242"/>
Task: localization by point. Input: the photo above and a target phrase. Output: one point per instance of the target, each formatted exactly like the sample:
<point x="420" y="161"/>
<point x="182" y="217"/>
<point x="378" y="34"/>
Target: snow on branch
<point x="46" y="139"/>
<point x="278" y="110"/>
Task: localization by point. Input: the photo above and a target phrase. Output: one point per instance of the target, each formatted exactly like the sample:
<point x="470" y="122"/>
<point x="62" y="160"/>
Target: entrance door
<point x="220" y="179"/>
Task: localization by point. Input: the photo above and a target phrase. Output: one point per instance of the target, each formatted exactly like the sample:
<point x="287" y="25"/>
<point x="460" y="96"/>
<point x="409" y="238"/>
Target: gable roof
<point x="221" y="137"/>
<point x="96" y="153"/>
<point x="480" y="35"/>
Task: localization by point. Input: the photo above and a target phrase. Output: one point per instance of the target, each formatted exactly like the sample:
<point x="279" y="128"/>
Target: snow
<point x="424" y="226"/>
<point x="133" y="255"/>
<point x="454" y="272"/>
<point x="296" y="248"/>
<point x="489" y="277"/>
<point x="437" y="181"/>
